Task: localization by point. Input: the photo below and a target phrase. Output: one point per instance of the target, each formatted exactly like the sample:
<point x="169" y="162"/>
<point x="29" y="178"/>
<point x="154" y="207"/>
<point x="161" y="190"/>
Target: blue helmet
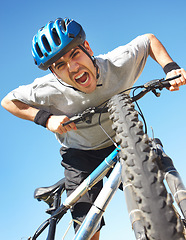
<point x="56" y="39"/>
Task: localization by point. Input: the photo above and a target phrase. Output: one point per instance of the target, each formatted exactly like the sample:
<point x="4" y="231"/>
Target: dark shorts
<point x="78" y="165"/>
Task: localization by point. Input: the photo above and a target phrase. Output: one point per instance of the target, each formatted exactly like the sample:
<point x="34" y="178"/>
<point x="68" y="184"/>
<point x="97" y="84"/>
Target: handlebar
<point x="86" y="115"/>
<point x="153" y="85"/>
<point x="150" y="86"/>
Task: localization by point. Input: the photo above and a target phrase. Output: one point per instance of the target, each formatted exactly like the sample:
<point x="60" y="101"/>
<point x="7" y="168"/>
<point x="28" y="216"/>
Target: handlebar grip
<point x="166" y="83"/>
<point x="74" y="119"/>
<point x="66" y="123"/>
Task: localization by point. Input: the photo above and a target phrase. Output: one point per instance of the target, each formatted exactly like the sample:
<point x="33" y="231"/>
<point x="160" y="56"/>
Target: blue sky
<point x="29" y="153"/>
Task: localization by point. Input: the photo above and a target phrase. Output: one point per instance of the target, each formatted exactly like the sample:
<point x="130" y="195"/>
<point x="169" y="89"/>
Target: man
<point x="78" y="81"/>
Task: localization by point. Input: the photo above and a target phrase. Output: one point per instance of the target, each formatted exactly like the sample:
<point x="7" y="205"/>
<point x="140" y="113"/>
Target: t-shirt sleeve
<point x="129" y="60"/>
<point x="34" y="94"/>
<point x="137" y="50"/>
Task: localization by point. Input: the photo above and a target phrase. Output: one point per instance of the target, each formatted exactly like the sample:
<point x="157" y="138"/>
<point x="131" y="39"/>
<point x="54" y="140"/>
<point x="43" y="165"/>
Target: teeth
<point x="80" y="76"/>
<point x="85" y="81"/>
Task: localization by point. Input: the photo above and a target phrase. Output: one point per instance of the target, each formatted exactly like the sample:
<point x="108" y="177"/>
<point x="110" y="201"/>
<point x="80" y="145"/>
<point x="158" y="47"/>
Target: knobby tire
<point x="141" y="162"/>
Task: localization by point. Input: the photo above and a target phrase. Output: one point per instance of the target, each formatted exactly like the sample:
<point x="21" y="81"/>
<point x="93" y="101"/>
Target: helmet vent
<point x="38" y="50"/>
<point x="46" y="43"/>
<point x="56" y="37"/>
<point x="63" y="25"/>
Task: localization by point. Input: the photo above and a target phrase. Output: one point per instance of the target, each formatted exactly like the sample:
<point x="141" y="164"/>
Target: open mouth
<point x="82" y="78"/>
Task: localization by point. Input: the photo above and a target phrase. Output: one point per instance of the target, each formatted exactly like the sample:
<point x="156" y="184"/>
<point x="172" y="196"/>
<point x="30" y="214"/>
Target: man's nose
<point x="73" y="66"/>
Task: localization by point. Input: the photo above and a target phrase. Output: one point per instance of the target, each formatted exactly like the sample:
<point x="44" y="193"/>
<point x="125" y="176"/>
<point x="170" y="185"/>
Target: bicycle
<point x="138" y="162"/>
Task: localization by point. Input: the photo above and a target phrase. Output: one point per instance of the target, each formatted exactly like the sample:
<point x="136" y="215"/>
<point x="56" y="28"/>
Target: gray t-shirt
<point x="119" y="69"/>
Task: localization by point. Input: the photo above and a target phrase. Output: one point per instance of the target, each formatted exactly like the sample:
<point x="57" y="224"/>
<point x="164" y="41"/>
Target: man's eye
<point x="60" y="66"/>
<point x="75" y="54"/>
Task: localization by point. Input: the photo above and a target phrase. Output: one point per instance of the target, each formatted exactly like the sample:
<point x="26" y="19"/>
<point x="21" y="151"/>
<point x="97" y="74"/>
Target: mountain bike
<point x="139" y="163"/>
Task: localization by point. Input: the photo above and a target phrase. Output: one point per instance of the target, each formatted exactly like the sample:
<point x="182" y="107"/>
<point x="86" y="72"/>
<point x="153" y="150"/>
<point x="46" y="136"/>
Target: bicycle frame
<point x="88" y="183"/>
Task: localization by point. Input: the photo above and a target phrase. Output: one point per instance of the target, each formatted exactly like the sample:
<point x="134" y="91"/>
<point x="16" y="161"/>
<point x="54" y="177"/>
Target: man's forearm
<point x="19" y="109"/>
<point x="161" y="56"/>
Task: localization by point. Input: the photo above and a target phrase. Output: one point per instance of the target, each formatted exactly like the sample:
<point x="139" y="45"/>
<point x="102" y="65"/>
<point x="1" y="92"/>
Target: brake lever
<point x="153" y="83"/>
<point x="160" y="83"/>
<point x="85" y="116"/>
<point x="157" y="94"/>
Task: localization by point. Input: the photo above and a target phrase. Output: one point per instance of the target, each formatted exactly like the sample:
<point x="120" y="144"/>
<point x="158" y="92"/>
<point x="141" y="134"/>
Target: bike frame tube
<point x="91" y="223"/>
<point x="92" y="179"/>
<point x="53" y="221"/>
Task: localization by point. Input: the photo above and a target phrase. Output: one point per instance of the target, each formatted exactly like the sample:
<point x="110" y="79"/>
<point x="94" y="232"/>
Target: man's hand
<point x="175" y="84"/>
<point x="54" y="124"/>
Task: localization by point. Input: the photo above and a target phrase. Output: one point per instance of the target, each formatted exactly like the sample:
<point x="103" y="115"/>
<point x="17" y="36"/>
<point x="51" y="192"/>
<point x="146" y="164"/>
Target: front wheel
<point x="159" y="217"/>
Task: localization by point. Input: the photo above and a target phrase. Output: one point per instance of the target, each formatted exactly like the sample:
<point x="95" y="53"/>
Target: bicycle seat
<point x="46" y="193"/>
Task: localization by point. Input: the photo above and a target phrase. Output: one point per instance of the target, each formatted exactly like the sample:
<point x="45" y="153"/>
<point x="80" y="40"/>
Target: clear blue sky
<point x="29" y="153"/>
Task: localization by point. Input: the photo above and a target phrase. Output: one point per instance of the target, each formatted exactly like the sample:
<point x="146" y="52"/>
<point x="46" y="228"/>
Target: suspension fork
<point x="172" y="177"/>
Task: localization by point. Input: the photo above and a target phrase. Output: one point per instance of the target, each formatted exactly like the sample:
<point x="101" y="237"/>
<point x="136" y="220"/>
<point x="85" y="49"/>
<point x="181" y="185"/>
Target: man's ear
<point x="88" y="48"/>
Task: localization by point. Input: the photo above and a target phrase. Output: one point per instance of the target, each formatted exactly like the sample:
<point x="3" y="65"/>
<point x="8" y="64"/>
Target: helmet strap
<point x="92" y="59"/>
<point x="60" y="81"/>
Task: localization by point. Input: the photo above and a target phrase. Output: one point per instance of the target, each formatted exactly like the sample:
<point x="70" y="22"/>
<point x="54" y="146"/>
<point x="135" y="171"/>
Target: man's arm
<point x="24" y="111"/>
<point x="161" y="56"/>
<point x="19" y="109"/>
<point x="158" y="51"/>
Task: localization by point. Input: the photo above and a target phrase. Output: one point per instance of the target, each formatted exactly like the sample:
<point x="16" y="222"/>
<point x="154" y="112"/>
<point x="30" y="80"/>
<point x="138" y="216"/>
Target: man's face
<point x="76" y="69"/>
